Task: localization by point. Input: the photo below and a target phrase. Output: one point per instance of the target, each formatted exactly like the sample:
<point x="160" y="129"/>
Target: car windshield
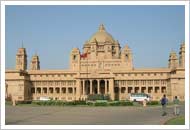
<point x="139" y="95"/>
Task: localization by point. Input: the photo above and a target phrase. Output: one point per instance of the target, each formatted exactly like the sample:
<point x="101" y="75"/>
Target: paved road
<point x="27" y="115"/>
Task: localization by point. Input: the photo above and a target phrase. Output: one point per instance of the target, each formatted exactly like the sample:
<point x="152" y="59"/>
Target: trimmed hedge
<point x="94" y="97"/>
<point x="88" y="103"/>
<point x="121" y="103"/>
<point x="153" y="103"/>
<point x="100" y="104"/>
<point x="58" y="103"/>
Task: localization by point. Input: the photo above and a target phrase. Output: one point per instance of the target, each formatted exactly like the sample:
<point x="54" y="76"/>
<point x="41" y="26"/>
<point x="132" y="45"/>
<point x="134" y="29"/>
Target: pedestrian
<point x="164" y="103"/>
<point x="176" y="106"/>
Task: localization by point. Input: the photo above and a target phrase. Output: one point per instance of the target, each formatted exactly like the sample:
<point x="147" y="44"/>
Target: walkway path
<point x="27" y="115"/>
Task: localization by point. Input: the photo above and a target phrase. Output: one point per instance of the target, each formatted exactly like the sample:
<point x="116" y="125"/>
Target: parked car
<point x="44" y="99"/>
<point x="139" y="97"/>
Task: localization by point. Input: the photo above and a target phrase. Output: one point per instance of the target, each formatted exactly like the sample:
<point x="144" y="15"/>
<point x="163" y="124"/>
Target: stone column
<point x="66" y="90"/>
<point x="41" y="91"/>
<point x="78" y="89"/>
<point x="111" y="89"/>
<point x="146" y="90"/>
<point x="83" y="87"/>
<point x="106" y="91"/>
<point x="98" y="81"/>
<point x="90" y="86"/>
<point x="35" y="89"/>
<point x="73" y="92"/>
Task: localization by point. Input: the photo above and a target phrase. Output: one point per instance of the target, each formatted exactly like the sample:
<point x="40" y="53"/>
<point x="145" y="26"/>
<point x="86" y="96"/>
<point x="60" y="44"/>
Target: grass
<point x="176" y="121"/>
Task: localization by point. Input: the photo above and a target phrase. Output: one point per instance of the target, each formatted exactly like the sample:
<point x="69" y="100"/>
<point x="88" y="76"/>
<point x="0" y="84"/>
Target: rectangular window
<point x="123" y="89"/>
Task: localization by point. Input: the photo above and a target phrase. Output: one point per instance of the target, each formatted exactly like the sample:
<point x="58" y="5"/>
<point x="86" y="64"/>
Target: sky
<point x="151" y="32"/>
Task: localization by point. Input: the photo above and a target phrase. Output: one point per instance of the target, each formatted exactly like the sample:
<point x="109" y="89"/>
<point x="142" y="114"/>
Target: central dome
<point x="101" y="35"/>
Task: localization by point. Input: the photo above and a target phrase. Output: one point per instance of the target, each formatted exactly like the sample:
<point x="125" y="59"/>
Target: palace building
<point x="103" y="67"/>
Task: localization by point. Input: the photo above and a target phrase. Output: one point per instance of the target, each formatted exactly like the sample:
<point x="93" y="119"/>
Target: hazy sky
<point x="52" y="31"/>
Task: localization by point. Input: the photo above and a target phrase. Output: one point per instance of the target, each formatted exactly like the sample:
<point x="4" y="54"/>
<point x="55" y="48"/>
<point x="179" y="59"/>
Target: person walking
<point x="164" y="103"/>
<point x="176" y="106"/>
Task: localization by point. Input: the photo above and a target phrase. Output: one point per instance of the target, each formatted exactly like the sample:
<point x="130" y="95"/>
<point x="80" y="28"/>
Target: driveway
<point x="79" y="115"/>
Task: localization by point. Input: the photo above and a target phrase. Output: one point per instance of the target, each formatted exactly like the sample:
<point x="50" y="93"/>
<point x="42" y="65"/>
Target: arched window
<point x="74" y="57"/>
<point x="127" y="57"/>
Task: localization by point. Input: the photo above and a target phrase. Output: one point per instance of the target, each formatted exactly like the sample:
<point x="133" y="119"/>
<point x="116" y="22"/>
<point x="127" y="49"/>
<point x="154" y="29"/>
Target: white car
<point x="44" y="98"/>
<point x="139" y="97"/>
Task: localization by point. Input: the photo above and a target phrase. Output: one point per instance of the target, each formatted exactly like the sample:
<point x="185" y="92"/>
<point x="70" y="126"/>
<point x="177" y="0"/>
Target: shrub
<point x="101" y="104"/>
<point x="153" y="103"/>
<point x="121" y="103"/>
<point x="124" y="103"/>
<point x="90" y="103"/>
<point x="93" y="97"/>
<point x="80" y="102"/>
<point x="114" y="103"/>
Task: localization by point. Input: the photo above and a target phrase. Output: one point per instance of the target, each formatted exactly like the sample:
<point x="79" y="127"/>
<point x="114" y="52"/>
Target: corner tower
<point x="182" y="56"/>
<point x="127" y="57"/>
<point x="173" y="60"/>
<point x="21" y="59"/>
<point x="35" y="63"/>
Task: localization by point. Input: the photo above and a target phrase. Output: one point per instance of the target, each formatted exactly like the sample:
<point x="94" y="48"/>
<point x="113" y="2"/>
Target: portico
<point x="95" y="86"/>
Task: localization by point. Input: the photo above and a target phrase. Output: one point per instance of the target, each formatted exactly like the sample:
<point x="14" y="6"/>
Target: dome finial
<point x="101" y="28"/>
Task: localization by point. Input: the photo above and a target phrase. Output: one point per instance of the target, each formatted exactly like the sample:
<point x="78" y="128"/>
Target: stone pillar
<point x="66" y="90"/>
<point x="106" y="91"/>
<point x="98" y="86"/>
<point x="73" y="90"/>
<point x="111" y="89"/>
<point x="83" y="87"/>
<point x="90" y="86"/>
<point x="146" y="90"/>
<point x="47" y="90"/>
<point x="60" y="92"/>
<point x="78" y="89"/>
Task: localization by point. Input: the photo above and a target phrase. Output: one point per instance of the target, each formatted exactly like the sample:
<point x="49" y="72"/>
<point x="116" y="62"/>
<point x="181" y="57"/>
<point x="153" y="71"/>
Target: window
<point x="74" y="57"/>
<point x="143" y="82"/>
<point x="70" y="90"/>
<point x="123" y="89"/>
<point x="150" y="82"/>
<point x="156" y="82"/>
<point x="130" y="82"/>
<point x="136" y="82"/>
<point x="63" y="90"/>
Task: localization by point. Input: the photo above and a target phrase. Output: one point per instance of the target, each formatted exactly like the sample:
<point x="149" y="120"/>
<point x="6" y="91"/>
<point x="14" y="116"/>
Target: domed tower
<point x="35" y="63"/>
<point x="21" y="59"/>
<point x="173" y="60"/>
<point x="127" y="57"/>
<point x="102" y="45"/>
<point x="182" y="56"/>
<point x="75" y="59"/>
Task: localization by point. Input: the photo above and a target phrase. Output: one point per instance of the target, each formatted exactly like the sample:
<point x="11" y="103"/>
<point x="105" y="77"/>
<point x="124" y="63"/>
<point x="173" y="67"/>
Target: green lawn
<point x="176" y="121"/>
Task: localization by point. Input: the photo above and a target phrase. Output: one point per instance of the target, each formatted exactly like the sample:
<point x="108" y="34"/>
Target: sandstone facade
<point x="103" y="67"/>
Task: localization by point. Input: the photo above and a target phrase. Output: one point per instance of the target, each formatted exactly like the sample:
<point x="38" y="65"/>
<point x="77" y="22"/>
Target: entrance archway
<point x="94" y="87"/>
<point x="87" y="87"/>
<point x="102" y="87"/>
